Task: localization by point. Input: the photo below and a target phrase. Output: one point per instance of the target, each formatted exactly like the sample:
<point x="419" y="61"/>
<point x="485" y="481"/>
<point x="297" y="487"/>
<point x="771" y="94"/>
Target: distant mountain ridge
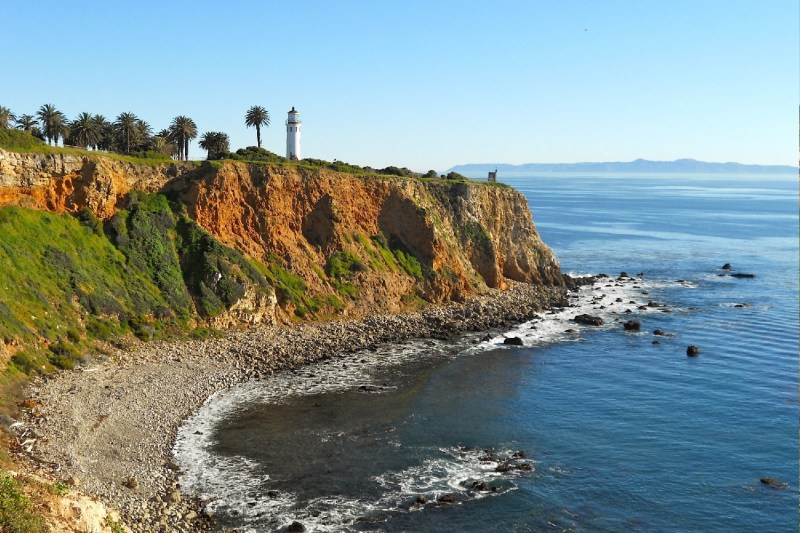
<point x="639" y="165"/>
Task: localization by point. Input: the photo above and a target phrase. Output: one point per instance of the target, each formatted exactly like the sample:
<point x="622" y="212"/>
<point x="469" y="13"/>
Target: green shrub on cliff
<point x="145" y="235"/>
<point x="218" y="276"/>
<point x="56" y="273"/>
<point x="65" y="282"/>
<point x="18" y="140"/>
<point x="16" y="515"/>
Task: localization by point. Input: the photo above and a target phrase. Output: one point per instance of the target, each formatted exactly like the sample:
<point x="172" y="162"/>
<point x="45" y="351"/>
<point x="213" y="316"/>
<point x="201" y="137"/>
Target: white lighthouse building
<point x="293" y="125"/>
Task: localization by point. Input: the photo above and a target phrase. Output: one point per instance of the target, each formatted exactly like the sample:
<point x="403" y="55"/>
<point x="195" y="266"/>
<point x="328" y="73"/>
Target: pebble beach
<point x="108" y="428"/>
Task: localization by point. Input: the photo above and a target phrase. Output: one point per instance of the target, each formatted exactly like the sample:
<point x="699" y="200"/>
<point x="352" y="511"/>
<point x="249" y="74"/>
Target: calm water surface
<point x="622" y="434"/>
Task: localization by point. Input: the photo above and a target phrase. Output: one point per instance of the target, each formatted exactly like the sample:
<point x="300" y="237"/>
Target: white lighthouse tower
<point x="293" y="125"/>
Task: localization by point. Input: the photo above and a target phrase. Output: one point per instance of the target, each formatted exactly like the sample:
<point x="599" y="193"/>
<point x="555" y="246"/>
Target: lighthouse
<point x="293" y="126"/>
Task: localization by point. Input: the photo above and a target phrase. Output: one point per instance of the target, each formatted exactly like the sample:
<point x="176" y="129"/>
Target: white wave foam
<point x="607" y="298"/>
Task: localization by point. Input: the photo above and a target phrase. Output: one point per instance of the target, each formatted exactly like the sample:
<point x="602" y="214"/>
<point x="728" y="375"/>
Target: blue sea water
<point x="622" y="434"/>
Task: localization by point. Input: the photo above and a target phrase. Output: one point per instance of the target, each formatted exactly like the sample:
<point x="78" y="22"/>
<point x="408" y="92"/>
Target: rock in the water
<point x="446" y="498"/>
<point x="273" y="493"/>
<point x="480" y="485"/>
<point x="623" y="274"/>
<point x="742" y="275"/>
<point x="504" y="467"/>
<point x="774" y="483"/>
<point x="588" y="320"/>
<point x="513" y="341"/>
<point x="296" y="527"/>
<point x="692" y="350"/>
<point x="421" y="500"/>
<point x="632" y="325"/>
<point x="659" y="332"/>
<point x="727" y="266"/>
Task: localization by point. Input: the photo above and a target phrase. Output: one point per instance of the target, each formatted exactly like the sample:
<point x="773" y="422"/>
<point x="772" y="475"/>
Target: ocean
<point x="597" y="429"/>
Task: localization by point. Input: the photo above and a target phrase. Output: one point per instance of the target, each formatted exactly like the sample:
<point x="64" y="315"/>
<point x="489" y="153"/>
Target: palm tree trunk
<point x="258" y="134"/>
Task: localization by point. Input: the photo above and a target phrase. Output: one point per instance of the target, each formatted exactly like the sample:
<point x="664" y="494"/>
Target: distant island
<point x="639" y="165"/>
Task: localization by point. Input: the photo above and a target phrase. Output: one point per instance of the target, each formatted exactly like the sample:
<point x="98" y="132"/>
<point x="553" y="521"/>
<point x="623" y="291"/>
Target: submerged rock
<point x="513" y="341"/>
<point x="296" y="527"/>
<point x="742" y="275"/>
<point x="774" y="483"/>
<point x="692" y="350"/>
<point x="727" y="266"/>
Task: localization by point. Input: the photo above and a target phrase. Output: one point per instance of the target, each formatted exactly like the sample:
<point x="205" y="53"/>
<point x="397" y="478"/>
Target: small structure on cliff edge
<point x="492" y="176"/>
<point x="293" y="125"/>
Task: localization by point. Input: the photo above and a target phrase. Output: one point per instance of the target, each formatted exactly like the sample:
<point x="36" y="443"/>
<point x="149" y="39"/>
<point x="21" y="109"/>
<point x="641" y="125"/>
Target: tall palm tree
<point x="215" y="142"/>
<point x="84" y="131"/>
<point x="105" y="132"/>
<point x="126" y="127"/>
<point x="52" y="121"/>
<point x="6" y="117"/>
<point x="256" y="117"/>
<point x="183" y="129"/>
<point x="27" y="123"/>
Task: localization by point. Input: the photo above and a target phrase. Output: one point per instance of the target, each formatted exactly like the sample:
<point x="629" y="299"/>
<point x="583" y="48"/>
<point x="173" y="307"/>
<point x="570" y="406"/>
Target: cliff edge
<point x="252" y="243"/>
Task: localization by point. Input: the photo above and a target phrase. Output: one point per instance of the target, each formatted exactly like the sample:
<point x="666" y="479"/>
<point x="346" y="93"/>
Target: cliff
<point x="262" y="243"/>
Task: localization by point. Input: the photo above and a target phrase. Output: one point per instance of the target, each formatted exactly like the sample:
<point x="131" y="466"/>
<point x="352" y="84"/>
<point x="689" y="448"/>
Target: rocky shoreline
<point x="108" y="429"/>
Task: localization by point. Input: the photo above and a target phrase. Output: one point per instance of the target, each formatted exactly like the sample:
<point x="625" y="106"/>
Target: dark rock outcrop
<point x="588" y="320"/>
<point x="632" y="325"/>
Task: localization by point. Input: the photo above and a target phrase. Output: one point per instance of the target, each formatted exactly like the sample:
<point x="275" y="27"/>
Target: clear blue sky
<point x="429" y="84"/>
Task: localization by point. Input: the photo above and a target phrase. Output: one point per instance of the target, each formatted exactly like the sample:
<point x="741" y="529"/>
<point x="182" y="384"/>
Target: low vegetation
<point x="16" y="511"/>
<point x="68" y="281"/>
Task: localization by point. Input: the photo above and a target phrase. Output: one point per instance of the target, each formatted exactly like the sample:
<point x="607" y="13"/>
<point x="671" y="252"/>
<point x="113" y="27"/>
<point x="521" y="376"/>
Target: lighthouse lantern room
<point x="293" y="125"/>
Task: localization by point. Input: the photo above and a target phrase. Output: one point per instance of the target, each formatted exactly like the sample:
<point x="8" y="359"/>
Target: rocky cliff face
<point x="330" y="243"/>
<point x="60" y="182"/>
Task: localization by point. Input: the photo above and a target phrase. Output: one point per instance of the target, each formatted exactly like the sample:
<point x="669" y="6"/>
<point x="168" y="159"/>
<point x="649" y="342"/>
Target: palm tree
<point x="27" y="123"/>
<point x="215" y="142"/>
<point x="126" y="127"/>
<point x="183" y="129"/>
<point x="52" y="122"/>
<point x="144" y="135"/>
<point x="6" y="117"/>
<point x="105" y="133"/>
<point x="84" y="131"/>
<point x="256" y="117"/>
<point x="162" y="142"/>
